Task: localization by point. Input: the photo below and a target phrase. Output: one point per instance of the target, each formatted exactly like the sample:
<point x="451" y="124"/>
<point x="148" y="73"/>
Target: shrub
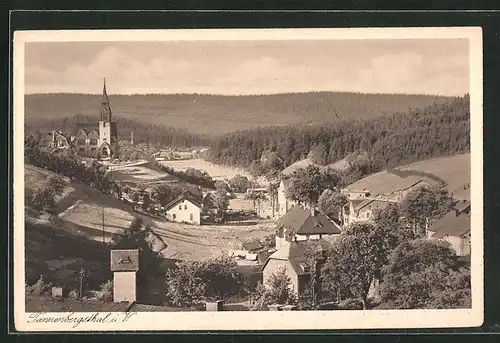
<point x="39" y="288"/>
<point x="106" y="292"/>
<point x="43" y="197"/>
<point x="56" y="182"/>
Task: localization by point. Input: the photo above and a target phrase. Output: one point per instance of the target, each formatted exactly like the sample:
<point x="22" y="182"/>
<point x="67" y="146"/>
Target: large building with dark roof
<point x="377" y="191"/>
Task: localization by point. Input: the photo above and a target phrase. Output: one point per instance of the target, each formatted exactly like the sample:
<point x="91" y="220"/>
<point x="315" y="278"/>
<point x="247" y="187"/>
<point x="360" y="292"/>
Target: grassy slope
<point x="59" y="247"/>
<point x="219" y="114"/>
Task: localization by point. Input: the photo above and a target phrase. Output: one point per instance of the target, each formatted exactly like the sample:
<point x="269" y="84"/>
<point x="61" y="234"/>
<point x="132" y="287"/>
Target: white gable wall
<point x="184" y="211"/>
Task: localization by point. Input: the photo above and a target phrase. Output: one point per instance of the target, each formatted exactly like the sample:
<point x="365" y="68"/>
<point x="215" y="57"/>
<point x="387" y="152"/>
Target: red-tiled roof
<point x="251" y="246"/>
<point x="50" y="304"/>
<point x="34" y="304"/>
<point x="155" y="308"/>
<point x="300" y="221"/>
<point x="455" y="223"/>
<point x="182" y="198"/>
<point x="295" y="253"/>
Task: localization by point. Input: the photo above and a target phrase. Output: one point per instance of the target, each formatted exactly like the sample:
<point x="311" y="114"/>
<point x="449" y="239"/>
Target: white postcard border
<point x="288" y="320"/>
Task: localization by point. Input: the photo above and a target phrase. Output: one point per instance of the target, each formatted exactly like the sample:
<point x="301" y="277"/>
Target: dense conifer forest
<point x="439" y="129"/>
<point x="216" y="114"/>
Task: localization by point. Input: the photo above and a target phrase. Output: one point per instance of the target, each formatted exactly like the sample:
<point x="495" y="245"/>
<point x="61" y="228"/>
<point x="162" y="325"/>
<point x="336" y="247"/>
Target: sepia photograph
<point x="248" y="179"/>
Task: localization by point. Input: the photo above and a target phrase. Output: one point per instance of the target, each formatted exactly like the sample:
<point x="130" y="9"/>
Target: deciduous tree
<point x="425" y="274"/>
<point x="331" y="203"/>
<point x="355" y="262"/>
<point x="424" y="205"/>
<point x="306" y="185"/>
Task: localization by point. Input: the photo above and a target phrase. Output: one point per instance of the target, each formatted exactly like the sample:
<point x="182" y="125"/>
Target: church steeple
<point x="105" y="108"/>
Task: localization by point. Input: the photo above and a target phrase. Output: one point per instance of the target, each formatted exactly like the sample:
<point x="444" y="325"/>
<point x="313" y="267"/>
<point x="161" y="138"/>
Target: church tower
<point x="105" y="108"/>
<point x="108" y="136"/>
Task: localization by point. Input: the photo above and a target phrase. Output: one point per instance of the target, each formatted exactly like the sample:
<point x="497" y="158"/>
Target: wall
<point x="273" y="266"/>
<point x="459" y="244"/>
<point x="284" y="204"/>
<point x="104" y="132"/>
<point x="183" y="214"/>
<point x="124" y="286"/>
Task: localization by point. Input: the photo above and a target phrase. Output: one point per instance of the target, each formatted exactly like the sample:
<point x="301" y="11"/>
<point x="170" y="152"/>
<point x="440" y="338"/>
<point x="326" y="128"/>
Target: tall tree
<point x="424" y="205"/>
<point x="306" y="185"/>
<point x="425" y="274"/>
<point x="332" y="203"/>
<point x="355" y="262"/>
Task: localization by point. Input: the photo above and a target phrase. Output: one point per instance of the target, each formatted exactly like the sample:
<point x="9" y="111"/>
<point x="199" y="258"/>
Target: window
<point x="81" y="141"/>
<point x="174" y="216"/>
<point x="190" y="216"/>
<point x="368" y="214"/>
<point x="93" y="149"/>
<point x="180" y="207"/>
<point x="93" y="141"/>
<point x="185" y="207"/>
<point x="82" y="149"/>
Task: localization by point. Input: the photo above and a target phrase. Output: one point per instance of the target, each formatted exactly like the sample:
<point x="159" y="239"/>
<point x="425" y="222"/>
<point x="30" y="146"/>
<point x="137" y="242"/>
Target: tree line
<point x="205" y="113"/>
<point x="143" y="132"/>
<point x="439" y="129"/>
<point x="69" y="165"/>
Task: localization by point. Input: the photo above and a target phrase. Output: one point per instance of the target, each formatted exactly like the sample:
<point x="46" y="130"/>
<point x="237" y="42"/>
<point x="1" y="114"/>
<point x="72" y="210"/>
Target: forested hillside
<point x="436" y="130"/>
<point x="215" y="114"/>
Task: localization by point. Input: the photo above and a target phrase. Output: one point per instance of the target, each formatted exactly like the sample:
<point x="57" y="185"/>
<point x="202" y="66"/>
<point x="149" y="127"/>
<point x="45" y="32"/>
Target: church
<point x="94" y="140"/>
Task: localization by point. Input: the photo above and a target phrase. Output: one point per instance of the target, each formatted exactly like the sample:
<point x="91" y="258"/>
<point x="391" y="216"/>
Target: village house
<point x="454" y="228"/>
<point x="58" y="140"/>
<point x="296" y="232"/>
<point x="303" y="224"/>
<point x="184" y="209"/>
<point x="293" y="259"/>
<point x="381" y="189"/>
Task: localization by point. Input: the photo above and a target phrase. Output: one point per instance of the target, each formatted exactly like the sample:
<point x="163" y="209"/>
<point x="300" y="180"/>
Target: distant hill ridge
<point x="207" y="114"/>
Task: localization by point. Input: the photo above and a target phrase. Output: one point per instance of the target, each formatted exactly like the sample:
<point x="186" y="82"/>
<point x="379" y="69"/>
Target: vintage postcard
<point x="248" y="179"/>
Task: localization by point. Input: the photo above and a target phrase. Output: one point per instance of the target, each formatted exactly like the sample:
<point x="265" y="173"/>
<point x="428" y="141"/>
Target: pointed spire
<point x="104" y="92"/>
<point x="105" y="108"/>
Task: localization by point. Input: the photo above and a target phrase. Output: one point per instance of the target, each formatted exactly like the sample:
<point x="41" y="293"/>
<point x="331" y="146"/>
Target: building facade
<point x="284" y="204"/>
<point x="184" y="209"/>
<point x="98" y="140"/>
<point x="124" y="265"/>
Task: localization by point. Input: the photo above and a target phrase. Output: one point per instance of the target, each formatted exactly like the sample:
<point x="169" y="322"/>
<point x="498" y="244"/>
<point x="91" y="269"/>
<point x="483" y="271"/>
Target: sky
<point x="416" y="66"/>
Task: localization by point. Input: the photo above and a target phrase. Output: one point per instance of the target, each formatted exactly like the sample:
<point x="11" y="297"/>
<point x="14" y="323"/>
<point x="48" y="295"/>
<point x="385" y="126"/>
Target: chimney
<point x="124" y="265"/>
<point x="132" y="138"/>
<point x="313" y="211"/>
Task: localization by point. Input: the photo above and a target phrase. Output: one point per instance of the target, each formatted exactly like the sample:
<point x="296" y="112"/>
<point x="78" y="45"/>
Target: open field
<point x="217" y="172"/>
<point x="209" y="114"/>
<point x="140" y="174"/>
<point x="454" y="170"/>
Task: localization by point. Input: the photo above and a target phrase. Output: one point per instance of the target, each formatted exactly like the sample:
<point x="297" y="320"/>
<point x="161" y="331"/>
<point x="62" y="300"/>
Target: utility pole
<point x="103" y="230"/>
<point x="82" y="273"/>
